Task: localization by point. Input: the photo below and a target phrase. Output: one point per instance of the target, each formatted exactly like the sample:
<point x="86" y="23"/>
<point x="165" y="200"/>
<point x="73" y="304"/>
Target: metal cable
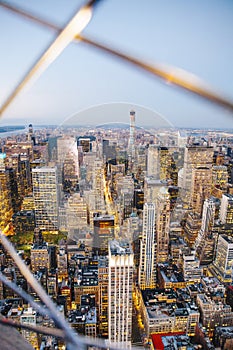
<point x="55" y="332"/>
<point x="38" y="307"/>
<point x="76" y="341"/>
<point x="77" y="23"/>
<point x="59" y="321"/>
<point x="171" y="75"/>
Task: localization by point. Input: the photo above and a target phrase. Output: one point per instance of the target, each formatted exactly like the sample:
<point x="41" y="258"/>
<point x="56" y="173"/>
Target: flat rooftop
<point x="120" y="247"/>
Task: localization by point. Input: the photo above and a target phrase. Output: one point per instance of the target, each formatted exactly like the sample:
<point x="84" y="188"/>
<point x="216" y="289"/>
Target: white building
<point x="120" y="290"/>
<point x="223" y="262"/>
<point x="226" y="209"/>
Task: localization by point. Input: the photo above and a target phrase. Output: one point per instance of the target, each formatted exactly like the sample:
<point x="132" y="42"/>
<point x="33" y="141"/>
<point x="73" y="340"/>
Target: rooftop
<point x="120" y="247"/>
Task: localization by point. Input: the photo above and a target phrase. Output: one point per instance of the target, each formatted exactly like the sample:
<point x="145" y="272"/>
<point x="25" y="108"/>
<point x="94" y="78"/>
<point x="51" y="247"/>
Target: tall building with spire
<point x="132" y="136"/>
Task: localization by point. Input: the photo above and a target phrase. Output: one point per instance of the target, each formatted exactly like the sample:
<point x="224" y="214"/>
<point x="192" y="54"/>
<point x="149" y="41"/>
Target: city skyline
<point x="197" y="39"/>
<point x="127" y="231"/>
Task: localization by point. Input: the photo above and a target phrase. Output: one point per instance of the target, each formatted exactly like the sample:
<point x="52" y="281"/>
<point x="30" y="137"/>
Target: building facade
<point x="148" y="248"/>
<point x="45" y="192"/>
<point x="120" y="290"/>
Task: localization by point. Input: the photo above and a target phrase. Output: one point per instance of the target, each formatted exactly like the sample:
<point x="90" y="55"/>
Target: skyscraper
<point x="226" y="209"/>
<point x="31" y="136"/>
<point x="76" y="213"/>
<point x="98" y="185"/>
<point x="195" y="157"/>
<point x="103" y="295"/>
<point x="162" y="224"/>
<point x="45" y="192"/>
<point x="120" y="290"/>
<point x="131" y="145"/>
<point x="223" y="262"/>
<point x="148" y="251"/>
<point x="153" y="162"/>
<point x="201" y="186"/>
<point x="103" y="232"/>
<point x="204" y="244"/>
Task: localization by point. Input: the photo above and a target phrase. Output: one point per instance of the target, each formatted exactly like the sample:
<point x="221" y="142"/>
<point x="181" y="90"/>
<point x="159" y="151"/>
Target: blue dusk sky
<point x="194" y="35"/>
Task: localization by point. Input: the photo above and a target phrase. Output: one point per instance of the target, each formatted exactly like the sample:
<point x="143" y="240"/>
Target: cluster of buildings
<point x="147" y="218"/>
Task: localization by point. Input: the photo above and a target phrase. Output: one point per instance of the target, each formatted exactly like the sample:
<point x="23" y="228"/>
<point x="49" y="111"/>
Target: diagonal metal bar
<point x="88" y="341"/>
<point x="58" y="333"/>
<point x="75" y="340"/>
<point x="170" y="75"/>
<point x="38" y="307"/>
<point x="60" y="322"/>
<point x="78" y="22"/>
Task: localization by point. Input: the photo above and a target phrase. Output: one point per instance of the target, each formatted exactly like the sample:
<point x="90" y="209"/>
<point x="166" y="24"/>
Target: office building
<point x="195" y="156"/>
<point x="191" y="267"/>
<point x="40" y="257"/>
<point x="220" y="176"/>
<point x="162" y="224"/>
<point x="191" y="228"/>
<point x="132" y="137"/>
<point x="226" y="209"/>
<point x="148" y="248"/>
<point x="153" y="162"/>
<point x="120" y="290"/>
<point x="163" y="313"/>
<point x="103" y="232"/>
<point x="45" y="192"/>
<point x="205" y="241"/>
<point x="103" y="295"/>
<point x="88" y="143"/>
<point x="223" y="262"/>
<point x="76" y="213"/>
<point x="201" y="186"/>
<point x="214" y="313"/>
<point x="98" y="185"/>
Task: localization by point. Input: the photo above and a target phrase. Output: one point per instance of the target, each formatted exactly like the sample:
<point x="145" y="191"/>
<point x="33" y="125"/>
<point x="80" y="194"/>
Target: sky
<point x="194" y="35"/>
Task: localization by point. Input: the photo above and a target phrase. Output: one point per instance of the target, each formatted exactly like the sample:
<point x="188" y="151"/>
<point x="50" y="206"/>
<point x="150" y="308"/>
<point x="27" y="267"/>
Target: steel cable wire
<point x="171" y="75"/>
